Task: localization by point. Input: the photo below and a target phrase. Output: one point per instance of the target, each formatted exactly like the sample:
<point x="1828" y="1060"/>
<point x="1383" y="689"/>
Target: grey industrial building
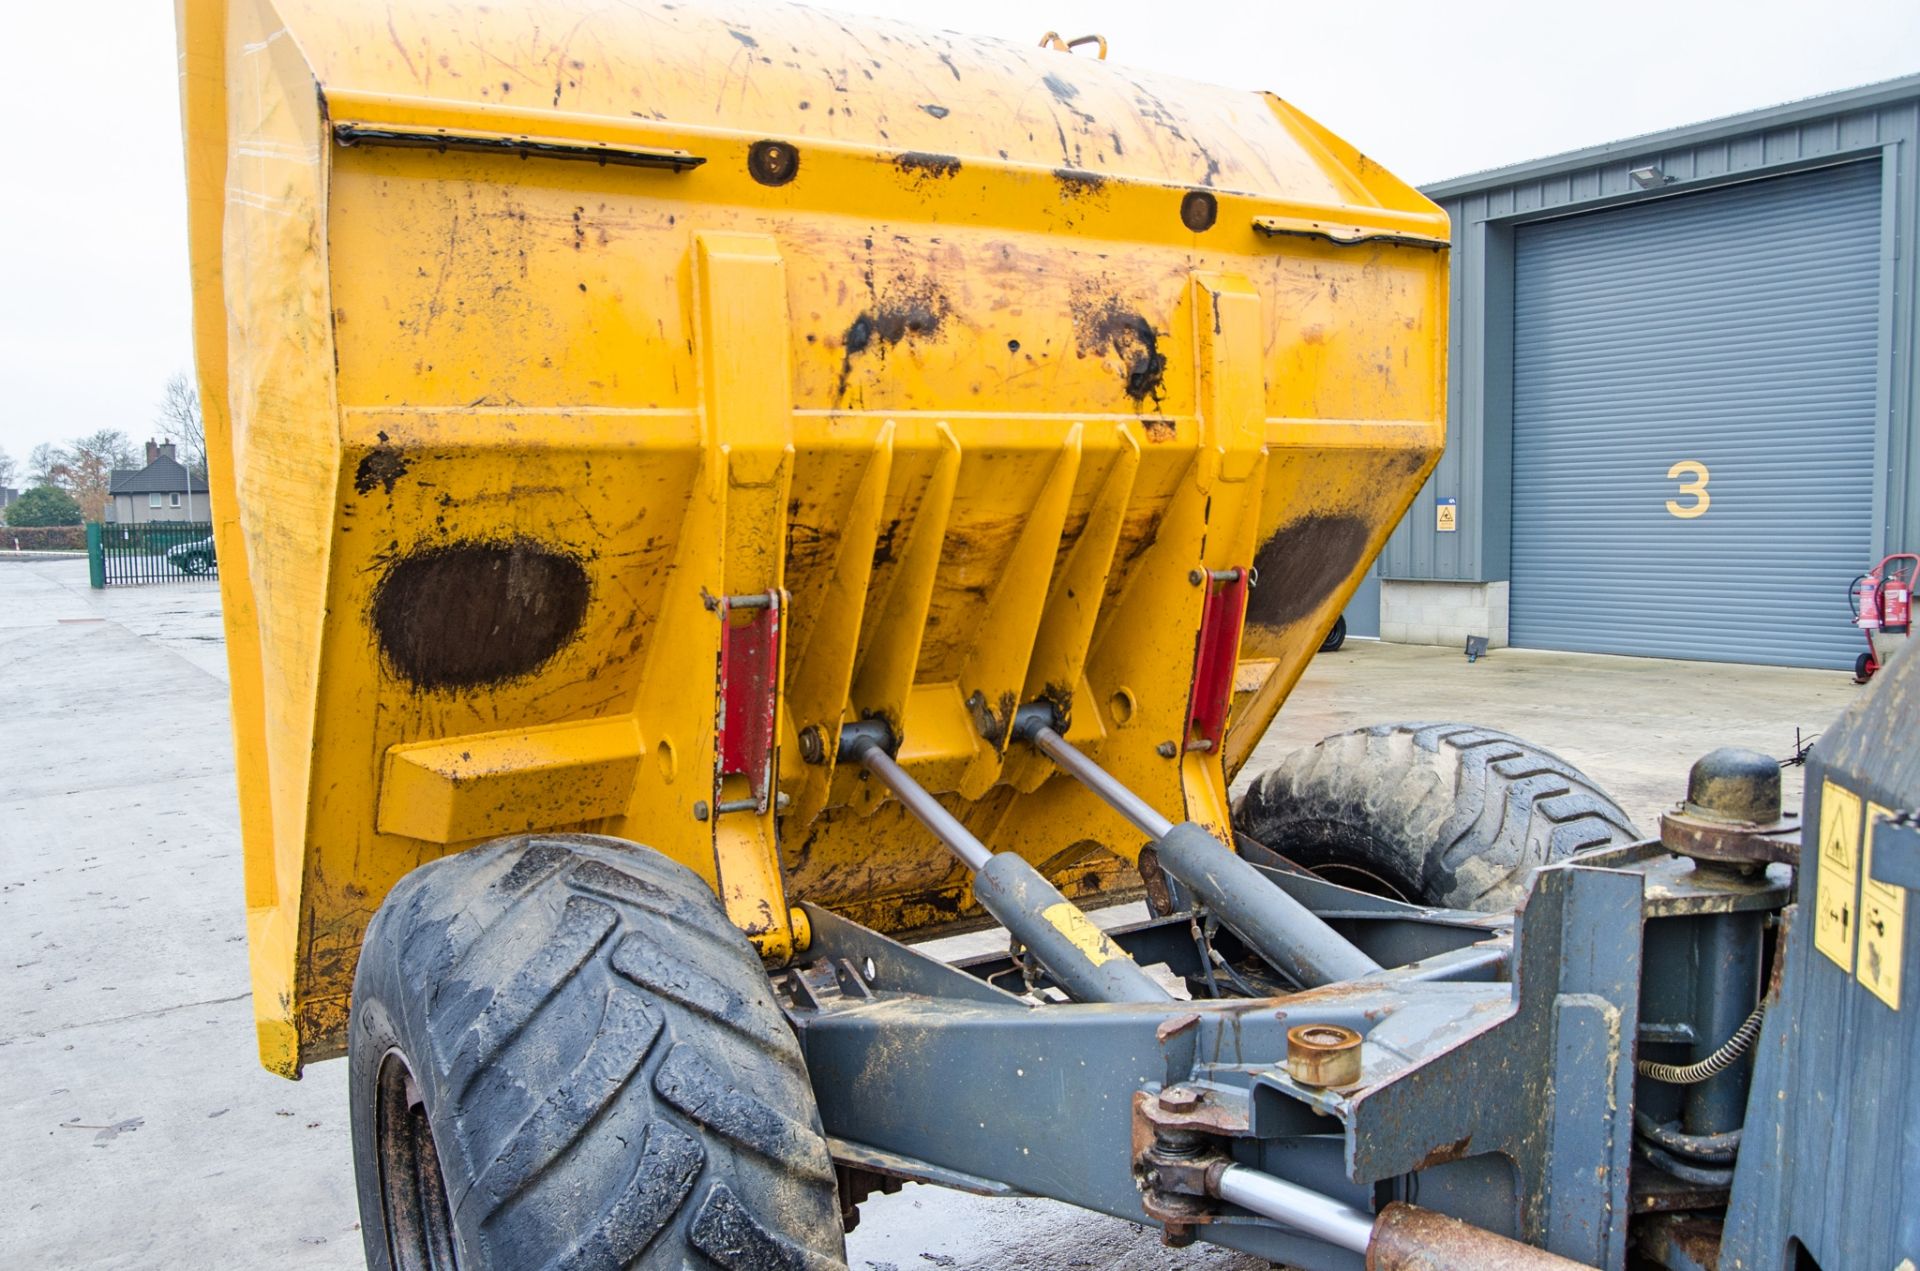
<point x="1682" y="412"/>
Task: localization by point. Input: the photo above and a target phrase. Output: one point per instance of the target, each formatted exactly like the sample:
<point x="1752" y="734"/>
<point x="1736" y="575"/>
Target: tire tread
<point x="604" y="1065"/>
<point x="1462" y="814"/>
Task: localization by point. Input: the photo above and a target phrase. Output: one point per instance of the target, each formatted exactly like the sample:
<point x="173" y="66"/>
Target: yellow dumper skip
<point x="577" y="374"/>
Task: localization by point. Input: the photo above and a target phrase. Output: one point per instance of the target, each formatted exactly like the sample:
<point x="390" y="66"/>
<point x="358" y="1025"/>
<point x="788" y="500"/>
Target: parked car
<point x="196" y="557"/>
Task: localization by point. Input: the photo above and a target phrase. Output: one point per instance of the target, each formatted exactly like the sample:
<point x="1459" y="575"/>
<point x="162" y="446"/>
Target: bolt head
<point x="1181" y="1098"/>
<point x="1167" y="750"/>
<point x="813" y="744"/>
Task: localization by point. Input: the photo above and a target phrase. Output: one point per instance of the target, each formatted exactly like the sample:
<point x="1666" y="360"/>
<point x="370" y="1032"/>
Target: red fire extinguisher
<point x="1883" y="609"/>
<point x="1896" y="603"/>
<point x="1866" y="592"/>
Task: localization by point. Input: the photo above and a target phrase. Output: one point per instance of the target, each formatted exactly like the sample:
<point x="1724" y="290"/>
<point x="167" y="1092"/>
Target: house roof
<point x="162" y="476"/>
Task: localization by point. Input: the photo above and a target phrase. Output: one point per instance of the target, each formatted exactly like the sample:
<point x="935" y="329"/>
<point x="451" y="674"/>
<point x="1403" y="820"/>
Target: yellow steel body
<point x="966" y="388"/>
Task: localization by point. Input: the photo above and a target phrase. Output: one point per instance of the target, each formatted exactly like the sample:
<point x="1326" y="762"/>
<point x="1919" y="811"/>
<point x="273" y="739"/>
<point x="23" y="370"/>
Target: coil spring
<point x="1713" y="1065"/>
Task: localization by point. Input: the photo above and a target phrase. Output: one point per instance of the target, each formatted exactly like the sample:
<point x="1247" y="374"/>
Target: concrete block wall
<point x="1443" y="613"/>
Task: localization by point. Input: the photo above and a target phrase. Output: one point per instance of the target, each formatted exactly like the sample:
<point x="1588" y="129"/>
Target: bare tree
<point x="42" y="460"/>
<point x="110" y="446"/>
<point x="85" y="468"/>
<point x="179" y="416"/>
<point x="8" y="468"/>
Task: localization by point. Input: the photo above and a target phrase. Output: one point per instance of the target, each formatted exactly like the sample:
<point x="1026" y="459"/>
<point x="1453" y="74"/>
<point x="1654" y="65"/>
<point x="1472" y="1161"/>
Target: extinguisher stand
<point x="1883" y="609"/>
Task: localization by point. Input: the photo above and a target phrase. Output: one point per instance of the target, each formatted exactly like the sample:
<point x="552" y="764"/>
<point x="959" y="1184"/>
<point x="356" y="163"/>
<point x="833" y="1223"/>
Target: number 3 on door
<point x="1694" y="483"/>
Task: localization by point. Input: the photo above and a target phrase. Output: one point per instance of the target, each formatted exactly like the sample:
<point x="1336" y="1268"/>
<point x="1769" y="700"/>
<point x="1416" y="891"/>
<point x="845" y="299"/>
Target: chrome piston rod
<point x="1090" y="967"/>
<point x="1145" y="817"/>
<point x="1273" y="924"/>
<point x="1306" y="1211"/>
<point x="1401" y="1237"/>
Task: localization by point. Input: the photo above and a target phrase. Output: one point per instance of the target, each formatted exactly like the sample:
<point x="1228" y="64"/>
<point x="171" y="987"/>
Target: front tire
<point x="562" y="1054"/>
<point x="1437" y="814"/>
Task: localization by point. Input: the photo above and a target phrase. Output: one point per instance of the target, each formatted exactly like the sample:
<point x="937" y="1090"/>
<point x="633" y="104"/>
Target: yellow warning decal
<point x="1079" y="929"/>
<point x="1883" y="920"/>
<point x="1836" y="886"/>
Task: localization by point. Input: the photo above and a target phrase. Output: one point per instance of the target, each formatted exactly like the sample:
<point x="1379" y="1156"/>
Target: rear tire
<point x="1337" y="636"/>
<point x="1863" y="668"/>
<point x="563" y="1055"/>
<point x="1436" y="814"/>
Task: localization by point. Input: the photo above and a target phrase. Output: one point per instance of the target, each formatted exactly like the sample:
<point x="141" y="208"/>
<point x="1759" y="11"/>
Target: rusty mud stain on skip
<point x="477" y="613"/>
<point x="1105" y="326"/>
<point x="382" y="466"/>
<point x="926" y="167"/>
<point x="1077" y="183"/>
<point x="915" y="309"/>
<point x="1302" y="564"/>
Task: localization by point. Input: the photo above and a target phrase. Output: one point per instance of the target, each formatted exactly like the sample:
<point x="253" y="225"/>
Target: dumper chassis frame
<point x="922" y="1068"/>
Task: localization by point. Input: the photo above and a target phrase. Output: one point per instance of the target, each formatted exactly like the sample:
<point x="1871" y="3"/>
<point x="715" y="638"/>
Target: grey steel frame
<point x="1502" y="1099"/>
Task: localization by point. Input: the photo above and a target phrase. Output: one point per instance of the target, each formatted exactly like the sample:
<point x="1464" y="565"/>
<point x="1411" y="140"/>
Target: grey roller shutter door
<point x="1735" y="330"/>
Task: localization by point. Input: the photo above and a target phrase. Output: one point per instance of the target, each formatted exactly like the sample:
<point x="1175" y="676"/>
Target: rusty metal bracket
<point x="1724" y="843"/>
<point x="1178" y="1156"/>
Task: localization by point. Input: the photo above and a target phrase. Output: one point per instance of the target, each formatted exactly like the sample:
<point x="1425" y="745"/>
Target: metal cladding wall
<point x="1879" y="125"/>
<point x="1693" y="411"/>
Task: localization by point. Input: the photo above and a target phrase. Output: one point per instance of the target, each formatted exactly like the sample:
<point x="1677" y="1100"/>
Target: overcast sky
<point x="93" y="276"/>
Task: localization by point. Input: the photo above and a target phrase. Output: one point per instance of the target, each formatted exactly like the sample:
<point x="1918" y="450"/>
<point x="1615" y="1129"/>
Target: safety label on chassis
<point x="1883" y="920"/>
<point x="1837" y="886"/>
<point x="1859" y="922"/>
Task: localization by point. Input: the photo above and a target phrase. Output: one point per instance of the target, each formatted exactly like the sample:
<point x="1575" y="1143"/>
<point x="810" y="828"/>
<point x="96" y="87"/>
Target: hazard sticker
<point x="1836" y="886"/>
<point x="1070" y="922"/>
<point x="1883" y="919"/>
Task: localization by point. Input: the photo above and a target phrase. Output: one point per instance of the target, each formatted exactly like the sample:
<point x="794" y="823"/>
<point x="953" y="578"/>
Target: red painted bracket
<point x="751" y="629"/>
<point x="1216" y="658"/>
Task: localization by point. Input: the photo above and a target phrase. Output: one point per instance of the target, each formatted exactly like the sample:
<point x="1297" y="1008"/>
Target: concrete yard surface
<point x="142" y="1132"/>
<point x="1635" y="725"/>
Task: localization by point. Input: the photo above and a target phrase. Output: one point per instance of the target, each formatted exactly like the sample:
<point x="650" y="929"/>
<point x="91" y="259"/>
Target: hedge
<point x="43" y="538"/>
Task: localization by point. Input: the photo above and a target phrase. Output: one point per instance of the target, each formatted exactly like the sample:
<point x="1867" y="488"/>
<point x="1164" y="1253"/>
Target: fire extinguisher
<point x="1866" y="602"/>
<point x="1883" y="609"/>
<point x="1896" y="603"/>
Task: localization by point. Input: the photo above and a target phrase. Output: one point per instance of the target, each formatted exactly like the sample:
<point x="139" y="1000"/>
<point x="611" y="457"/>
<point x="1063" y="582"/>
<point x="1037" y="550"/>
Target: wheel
<point x="195" y="563"/>
<point x="1337" y="636"/>
<point x="1436" y="814"/>
<point x="562" y="1054"/>
<point x="1863" y="668"/>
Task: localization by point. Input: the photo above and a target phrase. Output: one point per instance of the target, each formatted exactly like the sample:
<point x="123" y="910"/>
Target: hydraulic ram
<point x="1272" y="923"/>
<point x="1090" y="967"/>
